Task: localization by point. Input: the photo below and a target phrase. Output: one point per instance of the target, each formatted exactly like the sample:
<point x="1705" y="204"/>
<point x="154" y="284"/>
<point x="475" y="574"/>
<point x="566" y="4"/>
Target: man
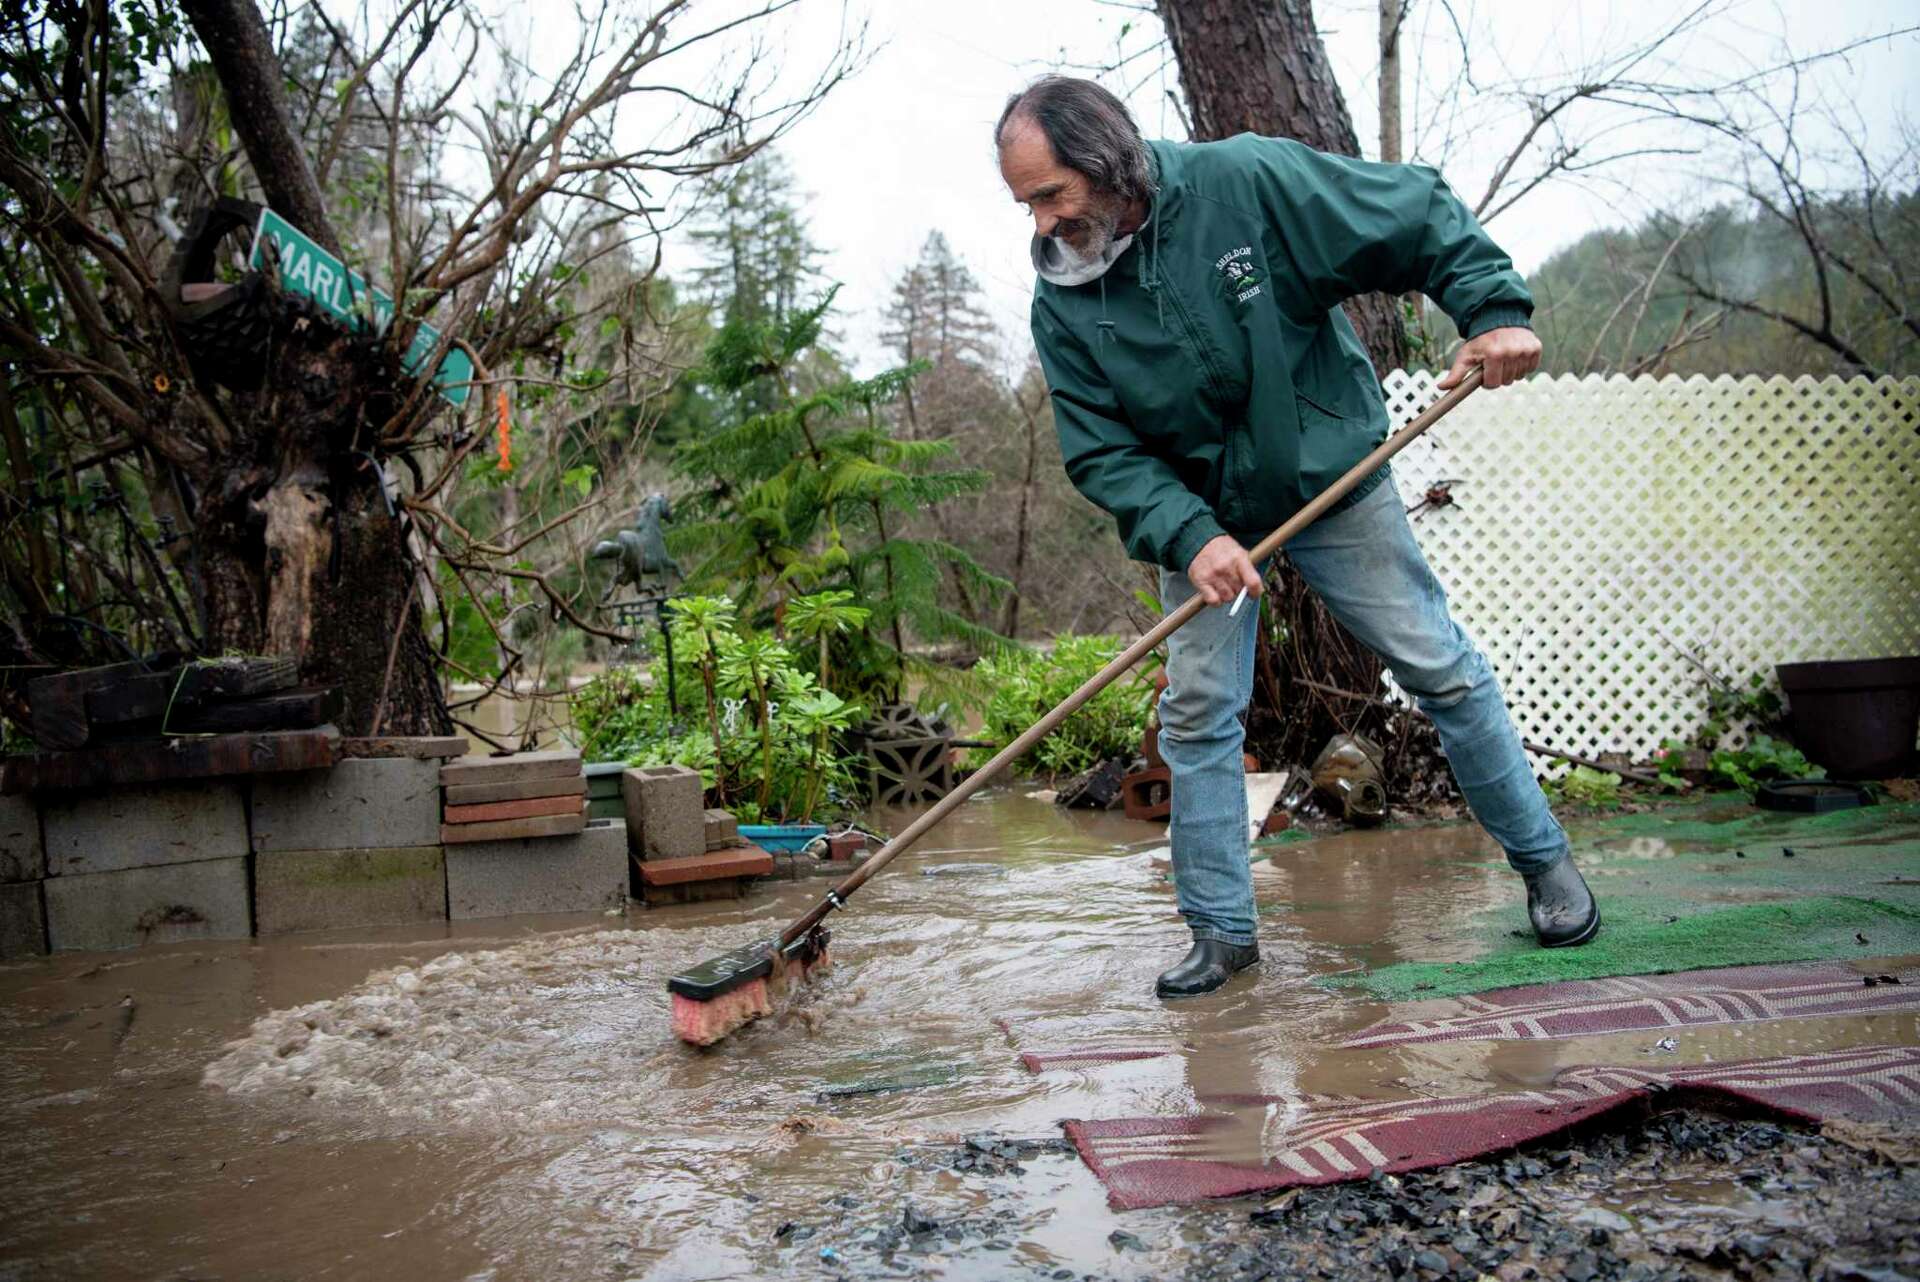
<point x="1206" y="386"/>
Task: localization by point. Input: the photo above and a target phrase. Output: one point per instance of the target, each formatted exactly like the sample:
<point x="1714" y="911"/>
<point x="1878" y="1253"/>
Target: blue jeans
<point x="1364" y="564"/>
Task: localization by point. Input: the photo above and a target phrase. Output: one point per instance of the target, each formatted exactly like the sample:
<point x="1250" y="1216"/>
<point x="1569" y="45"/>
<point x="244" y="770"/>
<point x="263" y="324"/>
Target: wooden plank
<point x="239" y="677"/>
<point x="507" y="829"/>
<point x="418" y="747"/>
<point x="524" y="765"/>
<point x="177" y="757"/>
<point x="474" y="794"/>
<point x="298" y="709"/>
<point x="57" y="704"/>
<point x="524" y="808"/>
<point x="732" y="861"/>
<point x="135" y="699"/>
<point x="146" y="707"/>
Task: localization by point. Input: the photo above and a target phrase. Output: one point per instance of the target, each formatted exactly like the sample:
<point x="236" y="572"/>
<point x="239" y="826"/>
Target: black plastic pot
<point x="1856" y="717"/>
<point x="1811" y="796"/>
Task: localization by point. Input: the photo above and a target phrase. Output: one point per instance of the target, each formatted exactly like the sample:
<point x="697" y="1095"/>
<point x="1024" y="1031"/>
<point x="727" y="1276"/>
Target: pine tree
<point x="760" y="256"/>
<point x="816" y="493"/>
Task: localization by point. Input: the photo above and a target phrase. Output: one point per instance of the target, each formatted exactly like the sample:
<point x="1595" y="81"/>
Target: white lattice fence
<point x="1601" y="525"/>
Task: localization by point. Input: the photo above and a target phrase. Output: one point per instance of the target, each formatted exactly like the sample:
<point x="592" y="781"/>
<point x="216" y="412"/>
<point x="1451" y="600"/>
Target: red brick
<point x="525" y="808"/>
<point x="734" y="861"/>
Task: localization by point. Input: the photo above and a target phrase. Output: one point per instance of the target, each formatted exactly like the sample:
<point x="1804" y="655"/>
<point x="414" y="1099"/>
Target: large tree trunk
<point x="299" y="552"/>
<point x="1258" y="66"/>
<point x="1393" y="14"/>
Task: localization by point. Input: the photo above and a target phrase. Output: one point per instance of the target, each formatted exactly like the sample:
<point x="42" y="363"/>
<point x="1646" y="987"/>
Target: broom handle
<point x="1100" y="680"/>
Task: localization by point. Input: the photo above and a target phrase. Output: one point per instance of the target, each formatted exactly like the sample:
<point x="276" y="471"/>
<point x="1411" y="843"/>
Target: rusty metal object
<point x="1348" y="774"/>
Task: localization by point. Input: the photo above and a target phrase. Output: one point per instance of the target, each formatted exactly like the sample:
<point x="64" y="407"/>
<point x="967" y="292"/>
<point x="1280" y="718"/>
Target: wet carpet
<point x="1731" y="995"/>
<point x="1323" y="1139"/>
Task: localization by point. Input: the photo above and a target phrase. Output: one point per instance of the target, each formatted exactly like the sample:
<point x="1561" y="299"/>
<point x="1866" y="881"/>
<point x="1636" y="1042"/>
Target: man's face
<point x="1063" y="203"/>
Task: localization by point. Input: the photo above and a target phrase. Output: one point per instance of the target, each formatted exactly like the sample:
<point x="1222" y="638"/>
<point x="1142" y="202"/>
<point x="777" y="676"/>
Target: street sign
<point x="313" y="273"/>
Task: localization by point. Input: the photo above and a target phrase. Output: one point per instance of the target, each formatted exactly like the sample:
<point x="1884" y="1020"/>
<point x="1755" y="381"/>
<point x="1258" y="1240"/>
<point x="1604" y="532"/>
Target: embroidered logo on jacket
<point x="1243" y="279"/>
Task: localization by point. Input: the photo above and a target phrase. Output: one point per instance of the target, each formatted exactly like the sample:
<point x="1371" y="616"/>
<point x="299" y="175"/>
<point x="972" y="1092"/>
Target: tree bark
<point x="237" y="43"/>
<point x="1258" y="66"/>
<point x="1392" y="14"/>
<point x="300" y="553"/>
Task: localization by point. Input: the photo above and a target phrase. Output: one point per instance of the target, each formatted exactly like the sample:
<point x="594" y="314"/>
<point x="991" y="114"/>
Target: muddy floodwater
<point x="504" y="1100"/>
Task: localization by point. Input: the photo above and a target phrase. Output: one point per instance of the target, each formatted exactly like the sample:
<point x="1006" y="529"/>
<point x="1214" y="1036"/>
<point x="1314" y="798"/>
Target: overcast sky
<point x="905" y="147"/>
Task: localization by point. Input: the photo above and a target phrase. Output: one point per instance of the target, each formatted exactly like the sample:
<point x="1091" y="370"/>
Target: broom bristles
<point x="731" y="991"/>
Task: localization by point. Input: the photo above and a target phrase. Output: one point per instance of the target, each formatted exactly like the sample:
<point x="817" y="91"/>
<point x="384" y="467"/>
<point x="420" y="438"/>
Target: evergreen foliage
<point x="762" y="732"/>
<point x="1024" y="686"/>
<point x="814" y="492"/>
<point x="760" y="260"/>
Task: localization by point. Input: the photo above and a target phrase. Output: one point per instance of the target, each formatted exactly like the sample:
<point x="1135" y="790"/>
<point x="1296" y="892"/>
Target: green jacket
<point x="1209" y="383"/>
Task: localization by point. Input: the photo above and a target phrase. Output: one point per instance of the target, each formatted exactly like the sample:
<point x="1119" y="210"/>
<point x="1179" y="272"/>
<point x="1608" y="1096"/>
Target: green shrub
<point x="760" y="730"/>
<point x="1587" y="788"/>
<point x="1023" y="685"/>
<point x="1765" y="758"/>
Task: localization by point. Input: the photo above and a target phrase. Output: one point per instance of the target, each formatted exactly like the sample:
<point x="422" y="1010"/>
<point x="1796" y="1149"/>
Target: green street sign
<point x="313" y="273"/>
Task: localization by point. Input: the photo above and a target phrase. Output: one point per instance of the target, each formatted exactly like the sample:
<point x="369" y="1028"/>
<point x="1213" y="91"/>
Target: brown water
<point x="504" y="1100"/>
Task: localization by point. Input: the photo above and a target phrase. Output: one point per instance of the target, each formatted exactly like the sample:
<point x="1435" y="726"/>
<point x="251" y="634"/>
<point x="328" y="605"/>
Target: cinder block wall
<point x="356" y="845"/>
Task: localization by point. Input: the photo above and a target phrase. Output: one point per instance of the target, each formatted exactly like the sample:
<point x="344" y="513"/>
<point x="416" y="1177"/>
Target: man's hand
<point x="1220" y="569"/>
<point x="1503" y="355"/>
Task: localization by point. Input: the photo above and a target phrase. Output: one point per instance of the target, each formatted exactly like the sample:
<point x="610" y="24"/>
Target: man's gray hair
<point x="1089" y="130"/>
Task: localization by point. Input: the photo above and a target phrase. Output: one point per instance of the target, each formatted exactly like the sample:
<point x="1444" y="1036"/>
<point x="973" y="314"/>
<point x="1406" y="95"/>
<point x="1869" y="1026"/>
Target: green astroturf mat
<point x="1703" y="884"/>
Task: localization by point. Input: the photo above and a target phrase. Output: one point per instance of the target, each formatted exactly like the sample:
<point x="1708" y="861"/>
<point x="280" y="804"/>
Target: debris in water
<point x="911" y="1079"/>
<point x="1787" y="851"/>
<point x="964" y="870"/>
<point x="1125" y="1241"/>
<point x="913" y="1222"/>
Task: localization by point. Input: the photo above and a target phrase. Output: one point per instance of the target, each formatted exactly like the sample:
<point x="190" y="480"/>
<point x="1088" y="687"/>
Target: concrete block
<point x="722" y="829"/>
<point x="23" y="920"/>
<point x="698" y="892"/>
<point x="563" y="763"/>
<point x="155" y="905"/>
<point x="23" y="857"/>
<point x="371" y="803"/>
<point x="143" y="826"/>
<point x="666" y="811"/>
<point x="582" y="873"/>
<point x="297" y="890"/>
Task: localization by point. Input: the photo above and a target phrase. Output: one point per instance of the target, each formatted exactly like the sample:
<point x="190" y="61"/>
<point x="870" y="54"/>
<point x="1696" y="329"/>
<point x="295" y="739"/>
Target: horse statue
<point x="642" y="550"/>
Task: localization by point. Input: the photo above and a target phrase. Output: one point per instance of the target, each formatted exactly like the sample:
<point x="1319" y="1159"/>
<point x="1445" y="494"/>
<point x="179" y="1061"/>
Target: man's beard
<point x="1091" y="236"/>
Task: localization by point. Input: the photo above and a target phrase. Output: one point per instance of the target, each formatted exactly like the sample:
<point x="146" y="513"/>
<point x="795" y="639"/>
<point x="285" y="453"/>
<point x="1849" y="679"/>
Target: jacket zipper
<point x="1230" y="481"/>
<point x="1215" y="379"/>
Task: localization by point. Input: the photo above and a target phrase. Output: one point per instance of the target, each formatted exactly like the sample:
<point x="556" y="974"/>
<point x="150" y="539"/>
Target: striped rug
<point x="1273" y="1142"/>
<point x="1588" y="1007"/>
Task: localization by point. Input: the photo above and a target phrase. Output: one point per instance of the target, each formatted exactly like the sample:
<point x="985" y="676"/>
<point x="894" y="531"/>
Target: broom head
<point x="729" y="991"/>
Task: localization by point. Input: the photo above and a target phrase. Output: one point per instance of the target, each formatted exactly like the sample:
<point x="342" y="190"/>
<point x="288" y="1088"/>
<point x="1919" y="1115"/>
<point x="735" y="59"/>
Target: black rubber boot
<point x="1562" y="908"/>
<point x="1210" y="964"/>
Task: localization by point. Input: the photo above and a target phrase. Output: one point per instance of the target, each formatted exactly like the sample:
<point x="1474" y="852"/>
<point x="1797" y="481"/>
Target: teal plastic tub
<point x="782" y="838"/>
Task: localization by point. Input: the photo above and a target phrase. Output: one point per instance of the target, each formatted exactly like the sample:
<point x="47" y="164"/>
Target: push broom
<point x="722" y="994"/>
